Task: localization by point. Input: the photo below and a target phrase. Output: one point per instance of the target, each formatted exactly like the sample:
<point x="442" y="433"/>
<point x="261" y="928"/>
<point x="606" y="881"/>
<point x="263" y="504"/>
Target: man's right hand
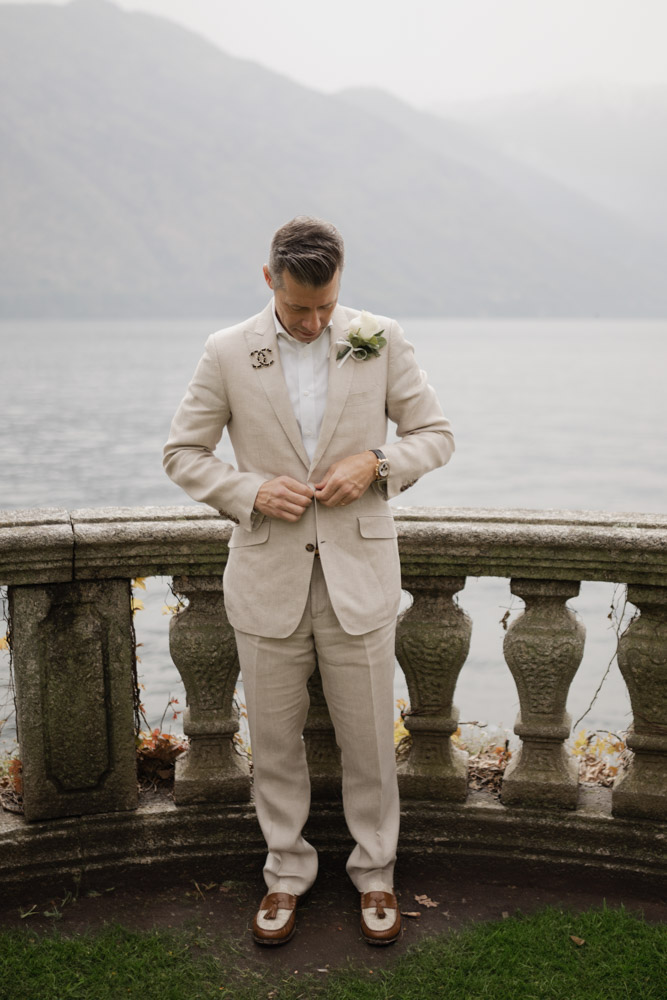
<point x="284" y="498"/>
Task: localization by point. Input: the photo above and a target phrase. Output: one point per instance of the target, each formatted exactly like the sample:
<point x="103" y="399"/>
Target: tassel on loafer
<point x="380" y="917"/>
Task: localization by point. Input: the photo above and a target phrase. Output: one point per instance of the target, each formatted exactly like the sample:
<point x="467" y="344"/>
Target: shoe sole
<point x="379" y="943"/>
<point x="274" y="942"/>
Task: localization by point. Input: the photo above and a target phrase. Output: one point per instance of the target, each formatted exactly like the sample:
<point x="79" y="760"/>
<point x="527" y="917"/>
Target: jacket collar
<point x="261" y="335"/>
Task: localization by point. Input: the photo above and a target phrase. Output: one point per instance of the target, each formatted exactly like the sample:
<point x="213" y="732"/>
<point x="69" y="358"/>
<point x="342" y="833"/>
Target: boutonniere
<point x="364" y="340"/>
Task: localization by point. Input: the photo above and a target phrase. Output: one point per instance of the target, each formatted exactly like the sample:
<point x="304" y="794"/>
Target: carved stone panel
<point x="203" y="648"/>
<point x="73" y="659"/>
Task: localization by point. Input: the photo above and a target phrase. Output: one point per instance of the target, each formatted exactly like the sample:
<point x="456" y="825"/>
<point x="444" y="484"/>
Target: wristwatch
<point x="382" y="467"/>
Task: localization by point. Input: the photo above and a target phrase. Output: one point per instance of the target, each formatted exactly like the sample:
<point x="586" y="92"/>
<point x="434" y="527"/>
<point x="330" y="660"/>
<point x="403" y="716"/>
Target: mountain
<point x="607" y="142"/>
<point x="144" y="170"/>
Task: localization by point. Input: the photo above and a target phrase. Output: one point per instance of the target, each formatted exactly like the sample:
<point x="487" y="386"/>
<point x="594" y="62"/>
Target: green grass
<point x="522" y="958"/>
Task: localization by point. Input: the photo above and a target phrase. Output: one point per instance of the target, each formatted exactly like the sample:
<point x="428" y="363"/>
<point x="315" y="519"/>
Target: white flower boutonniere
<point x="364" y="340"/>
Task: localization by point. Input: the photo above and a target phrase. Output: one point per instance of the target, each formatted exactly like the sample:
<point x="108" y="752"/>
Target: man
<point x="313" y="575"/>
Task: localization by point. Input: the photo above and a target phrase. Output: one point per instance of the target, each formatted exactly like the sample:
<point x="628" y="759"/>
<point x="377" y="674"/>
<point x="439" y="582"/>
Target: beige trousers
<point x="358" y="679"/>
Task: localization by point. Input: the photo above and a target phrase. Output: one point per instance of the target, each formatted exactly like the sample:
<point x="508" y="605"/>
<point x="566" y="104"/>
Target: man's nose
<point x="312" y="323"/>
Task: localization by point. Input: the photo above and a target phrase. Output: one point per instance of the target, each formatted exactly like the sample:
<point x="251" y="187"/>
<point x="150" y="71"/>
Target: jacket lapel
<point x="340" y="380"/>
<point x="271" y="379"/>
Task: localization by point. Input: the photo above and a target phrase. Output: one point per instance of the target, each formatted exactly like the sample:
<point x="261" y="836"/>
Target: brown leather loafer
<point x="380" y="917"/>
<point x="275" y="920"/>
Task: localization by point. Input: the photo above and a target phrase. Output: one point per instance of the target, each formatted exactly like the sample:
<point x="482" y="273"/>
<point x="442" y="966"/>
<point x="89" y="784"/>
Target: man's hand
<point x="346" y="480"/>
<point x="284" y="498"/>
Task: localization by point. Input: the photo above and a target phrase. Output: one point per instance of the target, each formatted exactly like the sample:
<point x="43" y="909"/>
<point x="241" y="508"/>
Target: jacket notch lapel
<point x="272" y="380"/>
<point x="340" y="380"/>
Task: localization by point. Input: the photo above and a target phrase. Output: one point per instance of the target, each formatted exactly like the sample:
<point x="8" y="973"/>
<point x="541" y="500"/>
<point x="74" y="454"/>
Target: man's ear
<point x="267" y="277"/>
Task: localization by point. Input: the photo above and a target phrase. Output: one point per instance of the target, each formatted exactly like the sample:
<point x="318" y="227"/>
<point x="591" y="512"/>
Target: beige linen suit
<point x="276" y="587"/>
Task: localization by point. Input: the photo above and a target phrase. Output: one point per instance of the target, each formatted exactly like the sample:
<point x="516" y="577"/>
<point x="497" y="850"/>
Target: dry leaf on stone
<point x="425" y="901"/>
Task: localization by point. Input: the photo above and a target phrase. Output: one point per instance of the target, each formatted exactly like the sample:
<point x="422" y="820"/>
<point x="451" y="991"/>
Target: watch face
<point x="383" y="469"/>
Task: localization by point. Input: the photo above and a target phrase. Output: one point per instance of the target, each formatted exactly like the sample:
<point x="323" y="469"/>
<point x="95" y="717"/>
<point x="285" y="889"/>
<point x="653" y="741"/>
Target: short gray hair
<point x="311" y="250"/>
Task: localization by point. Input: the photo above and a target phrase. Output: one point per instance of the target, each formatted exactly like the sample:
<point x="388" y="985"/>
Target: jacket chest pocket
<point x="240" y="537"/>
<point x="363" y="395"/>
<point x="377" y="526"/>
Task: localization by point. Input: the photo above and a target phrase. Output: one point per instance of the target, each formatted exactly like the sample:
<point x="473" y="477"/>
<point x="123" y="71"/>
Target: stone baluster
<point x="432" y="643"/>
<point x="203" y="647"/>
<point x="543" y="648"/>
<point x="321" y="748"/>
<point x="641" y="790"/>
<point x="73" y="656"/>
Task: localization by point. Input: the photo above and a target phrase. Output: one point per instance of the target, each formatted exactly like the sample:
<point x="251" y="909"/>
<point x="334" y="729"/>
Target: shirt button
<point x="310" y="547"/>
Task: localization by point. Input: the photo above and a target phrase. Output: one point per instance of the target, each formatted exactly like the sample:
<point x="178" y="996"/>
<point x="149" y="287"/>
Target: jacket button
<point x="310" y="547"/>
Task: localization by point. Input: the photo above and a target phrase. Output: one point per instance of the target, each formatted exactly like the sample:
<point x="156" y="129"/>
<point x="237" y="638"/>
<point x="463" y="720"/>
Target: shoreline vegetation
<point x="601" y="756"/>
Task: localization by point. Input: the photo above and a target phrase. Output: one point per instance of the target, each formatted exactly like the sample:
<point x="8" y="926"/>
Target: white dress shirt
<point x="306" y="371"/>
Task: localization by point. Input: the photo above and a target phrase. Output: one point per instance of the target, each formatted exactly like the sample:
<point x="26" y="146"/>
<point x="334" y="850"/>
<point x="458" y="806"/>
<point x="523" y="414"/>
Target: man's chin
<point x="304" y="337"/>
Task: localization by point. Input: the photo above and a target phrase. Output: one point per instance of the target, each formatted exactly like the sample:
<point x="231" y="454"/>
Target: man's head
<point x="305" y="264"/>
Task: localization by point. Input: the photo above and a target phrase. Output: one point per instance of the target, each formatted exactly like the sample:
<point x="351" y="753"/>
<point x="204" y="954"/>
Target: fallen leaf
<point x="505" y="915"/>
<point x="577" y="940"/>
<point x="425" y="901"/>
<point x="410" y="913"/>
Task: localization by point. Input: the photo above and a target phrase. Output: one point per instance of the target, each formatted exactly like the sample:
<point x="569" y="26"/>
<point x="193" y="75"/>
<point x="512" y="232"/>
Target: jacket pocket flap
<point x="377" y="526"/>
<point x="242" y="537"/>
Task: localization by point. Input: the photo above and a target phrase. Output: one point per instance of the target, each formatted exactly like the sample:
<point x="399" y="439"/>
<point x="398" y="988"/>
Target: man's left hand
<point x="346" y="480"/>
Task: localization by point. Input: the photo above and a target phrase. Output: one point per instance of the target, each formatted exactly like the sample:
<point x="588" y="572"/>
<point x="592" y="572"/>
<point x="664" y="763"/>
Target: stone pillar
<point x="203" y="647"/>
<point x="642" y="657"/>
<point x="543" y="648"/>
<point x="73" y="655"/>
<point x="432" y="643"/>
<point x="322" y="750"/>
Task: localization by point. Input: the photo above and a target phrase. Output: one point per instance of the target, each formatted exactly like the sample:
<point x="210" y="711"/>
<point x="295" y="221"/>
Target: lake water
<point x="547" y="414"/>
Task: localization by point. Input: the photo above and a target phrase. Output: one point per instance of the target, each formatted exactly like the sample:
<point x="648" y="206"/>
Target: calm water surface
<point x="547" y="414"/>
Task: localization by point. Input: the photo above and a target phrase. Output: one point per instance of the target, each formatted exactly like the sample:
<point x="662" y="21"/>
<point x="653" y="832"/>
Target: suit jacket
<point x="270" y="561"/>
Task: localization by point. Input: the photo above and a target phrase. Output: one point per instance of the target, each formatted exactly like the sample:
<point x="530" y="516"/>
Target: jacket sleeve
<point x="426" y="439"/>
<point x="195" y="432"/>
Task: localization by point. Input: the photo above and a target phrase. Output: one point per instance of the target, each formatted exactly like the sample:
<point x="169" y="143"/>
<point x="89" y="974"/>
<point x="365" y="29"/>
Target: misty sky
<point x="435" y="50"/>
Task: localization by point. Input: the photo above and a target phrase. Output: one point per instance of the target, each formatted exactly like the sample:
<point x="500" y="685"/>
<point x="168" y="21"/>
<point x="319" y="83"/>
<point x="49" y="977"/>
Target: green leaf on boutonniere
<point x="361" y="348"/>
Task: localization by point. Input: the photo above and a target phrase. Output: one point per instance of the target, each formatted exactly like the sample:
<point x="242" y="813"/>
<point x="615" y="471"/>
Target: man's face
<point x="303" y="310"/>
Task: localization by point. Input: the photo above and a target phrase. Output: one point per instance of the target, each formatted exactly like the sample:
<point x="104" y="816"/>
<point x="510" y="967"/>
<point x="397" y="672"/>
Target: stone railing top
<point x="36" y="546"/>
<point x="519" y="515"/>
<point x="51" y="545"/>
<point x="543" y="544"/>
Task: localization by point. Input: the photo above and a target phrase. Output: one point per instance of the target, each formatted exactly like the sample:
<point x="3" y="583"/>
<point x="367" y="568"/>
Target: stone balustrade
<point x="68" y="577"/>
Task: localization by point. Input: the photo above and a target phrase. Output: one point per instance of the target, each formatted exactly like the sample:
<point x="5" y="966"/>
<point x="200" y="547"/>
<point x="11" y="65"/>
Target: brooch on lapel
<point x="262" y="361"/>
<point x="364" y="340"/>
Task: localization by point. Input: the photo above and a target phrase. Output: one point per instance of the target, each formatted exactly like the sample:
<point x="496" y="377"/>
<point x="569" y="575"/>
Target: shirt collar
<point x="286" y="336"/>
